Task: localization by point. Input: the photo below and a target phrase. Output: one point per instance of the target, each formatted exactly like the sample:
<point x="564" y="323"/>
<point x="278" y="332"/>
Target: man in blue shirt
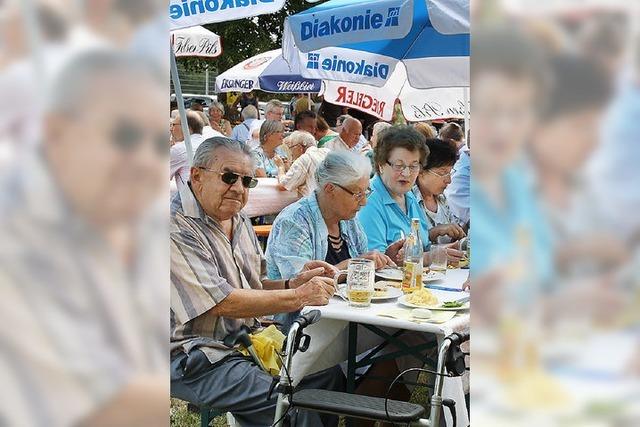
<point x="241" y="131"/>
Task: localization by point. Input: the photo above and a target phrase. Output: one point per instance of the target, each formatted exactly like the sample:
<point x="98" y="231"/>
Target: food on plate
<point x="423" y="298"/>
<point x="452" y="304"/>
<point x="383" y="284"/>
<point x="378" y="293"/>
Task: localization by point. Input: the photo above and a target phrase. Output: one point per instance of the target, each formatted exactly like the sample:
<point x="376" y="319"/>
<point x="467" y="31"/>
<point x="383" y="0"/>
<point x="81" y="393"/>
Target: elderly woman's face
<point x="347" y="201"/>
<point x="215" y="114"/>
<point x="435" y="180"/>
<point x="274" y="139"/>
<point x="400" y="171"/>
<point x="296" y="148"/>
<point x="221" y="201"/>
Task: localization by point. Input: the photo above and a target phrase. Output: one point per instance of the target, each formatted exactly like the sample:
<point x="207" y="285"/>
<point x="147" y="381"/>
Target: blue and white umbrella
<point x="434" y="48"/>
<point x="188" y="13"/>
<point x="267" y="71"/>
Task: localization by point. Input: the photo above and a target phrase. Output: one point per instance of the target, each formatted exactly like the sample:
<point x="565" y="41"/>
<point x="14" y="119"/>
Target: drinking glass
<point x="438" y="258"/>
<point x="360" y="279"/>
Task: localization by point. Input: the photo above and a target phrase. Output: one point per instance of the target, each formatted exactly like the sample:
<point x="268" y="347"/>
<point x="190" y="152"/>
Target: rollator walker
<point x="450" y="364"/>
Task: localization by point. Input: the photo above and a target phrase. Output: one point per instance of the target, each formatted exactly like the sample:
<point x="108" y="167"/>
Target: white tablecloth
<point x="329" y="337"/>
<point x="266" y="199"/>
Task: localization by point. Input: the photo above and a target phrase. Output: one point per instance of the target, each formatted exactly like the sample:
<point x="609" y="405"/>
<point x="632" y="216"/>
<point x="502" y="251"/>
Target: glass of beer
<point x="360" y="280"/>
<point x="438" y="258"/>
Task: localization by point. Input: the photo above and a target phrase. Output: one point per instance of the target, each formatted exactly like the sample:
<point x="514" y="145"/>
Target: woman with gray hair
<point x="216" y="117"/>
<point x="305" y="156"/>
<point x="322" y="226"/>
<point x="271" y="135"/>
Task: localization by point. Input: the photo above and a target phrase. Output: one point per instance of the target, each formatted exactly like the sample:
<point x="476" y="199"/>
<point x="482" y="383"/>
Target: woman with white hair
<point x="305" y="157"/>
<point x="217" y="120"/>
<point x="322" y="226"/>
<point x="271" y="135"/>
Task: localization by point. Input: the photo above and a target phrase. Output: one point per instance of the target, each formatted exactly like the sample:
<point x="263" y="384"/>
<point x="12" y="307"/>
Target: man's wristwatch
<point x="286" y="284"/>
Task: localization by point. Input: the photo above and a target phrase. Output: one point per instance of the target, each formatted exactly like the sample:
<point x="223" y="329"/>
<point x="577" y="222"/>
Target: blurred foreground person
<point x="509" y="81"/>
<point x="83" y="254"/>
<point x="218" y="284"/>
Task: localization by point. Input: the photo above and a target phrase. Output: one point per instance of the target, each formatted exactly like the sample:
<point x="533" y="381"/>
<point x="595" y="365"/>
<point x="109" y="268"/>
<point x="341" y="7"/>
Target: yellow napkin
<point x="437" y="316"/>
<point x="268" y="343"/>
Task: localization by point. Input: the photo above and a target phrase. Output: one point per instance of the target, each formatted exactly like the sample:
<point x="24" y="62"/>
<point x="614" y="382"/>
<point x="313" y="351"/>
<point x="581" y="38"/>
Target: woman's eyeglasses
<point x="357" y="196"/>
<point x="442" y="175"/>
<point x="400" y="167"/>
<point x="231" y="178"/>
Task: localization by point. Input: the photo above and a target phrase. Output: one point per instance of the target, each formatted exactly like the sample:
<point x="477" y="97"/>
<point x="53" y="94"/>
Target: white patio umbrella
<point x="196" y="41"/>
<point x="266" y="71"/>
<point x="434" y="51"/>
<point x="417" y="104"/>
<point x="187" y="13"/>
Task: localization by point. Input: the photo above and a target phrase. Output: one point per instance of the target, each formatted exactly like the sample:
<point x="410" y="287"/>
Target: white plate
<point x="390" y="274"/>
<point x="396" y="274"/>
<point x="392" y="293"/>
<point x="403" y="301"/>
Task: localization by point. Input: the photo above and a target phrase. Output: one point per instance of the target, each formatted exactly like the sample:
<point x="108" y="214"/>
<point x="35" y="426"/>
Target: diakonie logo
<point x="360" y="68"/>
<point x="197" y="7"/>
<point x="345" y="24"/>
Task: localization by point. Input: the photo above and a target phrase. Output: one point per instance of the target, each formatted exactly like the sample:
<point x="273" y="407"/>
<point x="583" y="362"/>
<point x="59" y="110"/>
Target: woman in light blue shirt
<point x="400" y="156"/>
<point x="322" y="226"/>
<point x="271" y="136"/>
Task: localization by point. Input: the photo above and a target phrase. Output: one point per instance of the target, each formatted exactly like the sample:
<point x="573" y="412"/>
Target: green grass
<point x="180" y="416"/>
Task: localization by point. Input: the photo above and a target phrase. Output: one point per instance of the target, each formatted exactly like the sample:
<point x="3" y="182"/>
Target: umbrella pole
<point x="181" y="110"/>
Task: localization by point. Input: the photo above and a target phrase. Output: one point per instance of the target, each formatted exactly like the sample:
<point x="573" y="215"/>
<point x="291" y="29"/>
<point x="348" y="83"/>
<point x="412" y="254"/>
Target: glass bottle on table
<point x="413" y="259"/>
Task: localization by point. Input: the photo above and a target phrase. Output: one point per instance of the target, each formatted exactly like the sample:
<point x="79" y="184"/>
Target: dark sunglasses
<point x="231" y="178"/>
<point x="129" y="137"/>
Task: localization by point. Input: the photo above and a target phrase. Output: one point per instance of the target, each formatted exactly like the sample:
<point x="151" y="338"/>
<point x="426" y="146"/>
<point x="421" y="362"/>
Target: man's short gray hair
<point x="204" y="154"/>
<point x="341" y="119"/>
<point x="301" y="137"/>
<point x="272" y="105"/>
<point x="249" y="112"/>
<point x="342" y="167"/>
<point x="269" y="127"/>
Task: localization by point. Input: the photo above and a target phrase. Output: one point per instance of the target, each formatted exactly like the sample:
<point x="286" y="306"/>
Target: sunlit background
<point x="84" y="269"/>
<point x="555" y="200"/>
<point x="555" y="145"/>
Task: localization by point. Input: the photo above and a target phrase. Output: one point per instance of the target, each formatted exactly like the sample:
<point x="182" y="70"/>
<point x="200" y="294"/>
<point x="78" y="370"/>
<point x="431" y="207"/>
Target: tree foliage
<point x="244" y="38"/>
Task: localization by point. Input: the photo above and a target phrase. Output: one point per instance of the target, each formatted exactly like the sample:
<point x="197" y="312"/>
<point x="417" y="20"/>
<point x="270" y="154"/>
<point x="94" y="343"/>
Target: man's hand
<point x="381" y="260"/>
<point x="313" y="269"/>
<point x="317" y="291"/>
<point x="452" y="230"/>
<point x="395" y="252"/>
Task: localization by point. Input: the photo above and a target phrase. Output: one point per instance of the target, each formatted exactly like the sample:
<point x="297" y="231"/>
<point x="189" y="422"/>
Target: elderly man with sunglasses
<point x="218" y="284"/>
